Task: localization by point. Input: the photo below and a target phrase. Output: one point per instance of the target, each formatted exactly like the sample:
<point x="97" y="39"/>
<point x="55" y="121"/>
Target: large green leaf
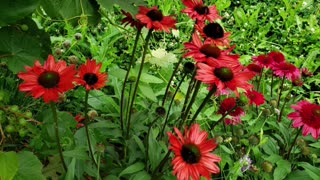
<point x="29" y="167"/>
<point x="101" y="101"/>
<point x="72" y="10"/>
<point x="8" y="165"/>
<point x="19" y="49"/>
<point x="128" y="5"/>
<point x="313" y="172"/>
<point x="13" y="10"/>
<point x="132" y="169"/>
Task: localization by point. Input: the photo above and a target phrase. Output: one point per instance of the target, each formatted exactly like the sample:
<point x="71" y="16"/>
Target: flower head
<point x="277" y="57"/>
<point x="214" y="34"/>
<point x="224" y="77"/>
<point x="306" y="72"/>
<point x="90" y="76"/>
<point x="286" y="69"/>
<point x="129" y="20"/>
<point x="192" y="154"/>
<point x="196" y="10"/>
<point x="245" y="162"/>
<point x="154" y="19"/>
<point x="255" y="97"/>
<point x="255" y="68"/>
<point x="263" y="60"/>
<point x="307" y="116"/>
<point x="48" y="80"/>
<point x="79" y="120"/>
<point x="229" y="107"/>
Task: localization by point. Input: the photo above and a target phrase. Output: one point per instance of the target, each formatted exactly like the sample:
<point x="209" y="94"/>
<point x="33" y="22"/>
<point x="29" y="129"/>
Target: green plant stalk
<point x="185" y="114"/>
<point x="281" y="89"/>
<point x="145" y="48"/>
<point x="169" y="108"/>
<point x="271" y="93"/>
<point x="293" y="143"/>
<point x="87" y="128"/>
<point x="126" y="78"/>
<point x="204" y="102"/>
<point x="55" y="118"/>
<point x="221" y="119"/>
<point x="260" y="78"/>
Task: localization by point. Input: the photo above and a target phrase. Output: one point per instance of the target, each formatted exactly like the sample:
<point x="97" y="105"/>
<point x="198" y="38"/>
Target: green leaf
<point x="147" y="78"/>
<point x="13" y="10"/>
<point x="100" y="101"/>
<point x="316" y="145"/>
<point x="71" y="170"/>
<point x="78" y="153"/>
<point x="141" y="175"/>
<point x="128" y="5"/>
<point x="139" y="143"/>
<point x="222" y="4"/>
<point x="29" y="167"/>
<point x="282" y="170"/>
<point x="132" y="168"/>
<point x="312" y="171"/>
<point x="8" y="165"/>
<point x="74" y="11"/>
<point x="147" y="91"/>
<point x="297" y="175"/>
<point x="19" y="49"/>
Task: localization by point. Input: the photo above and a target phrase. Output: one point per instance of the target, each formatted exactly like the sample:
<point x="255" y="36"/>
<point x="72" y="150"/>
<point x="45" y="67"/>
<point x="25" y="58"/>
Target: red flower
<point x="255" y="97"/>
<point x="192" y="154"/>
<point x="131" y="21"/>
<point x="277" y="57"/>
<point x="48" y="80"/>
<point x="297" y="81"/>
<point x="196" y="10"/>
<point x="306" y="73"/>
<point x="214" y="34"/>
<point x="90" y="75"/>
<point x="228" y="107"/>
<point x="224" y="77"/>
<point x="255" y="68"/>
<point x="209" y="52"/>
<point x="79" y="119"/>
<point x="286" y="69"/>
<point x="263" y="60"/>
<point x="154" y="19"/>
<point x="308" y="116"/>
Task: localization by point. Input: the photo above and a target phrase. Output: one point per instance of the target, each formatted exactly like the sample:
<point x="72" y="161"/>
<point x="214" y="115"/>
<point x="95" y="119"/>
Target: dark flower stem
<point x="171" y="102"/>
<point x="145" y="48"/>
<point x="56" y="128"/>
<point x="271" y="85"/>
<point x="185" y="114"/>
<point x="190" y="88"/>
<point x="293" y="143"/>
<point x="281" y="89"/>
<point x="221" y="119"/>
<point x="260" y="78"/>
<point x="204" y="102"/>
<point x="126" y="78"/>
<point x="87" y="128"/>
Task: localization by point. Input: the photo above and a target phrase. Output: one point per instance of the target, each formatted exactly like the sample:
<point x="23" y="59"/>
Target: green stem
<point x="281" y="88"/>
<point x="169" y="108"/>
<point x="204" y="102"/>
<point x="193" y="98"/>
<point x="87" y="128"/>
<point x="145" y="48"/>
<point x="260" y="78"/>
<point x="56" y="128"/>
<point x="126" y="78"/>
<point x="293" y="143"/>
<point x="271" y="85"/>
<point x="190" y="87"/>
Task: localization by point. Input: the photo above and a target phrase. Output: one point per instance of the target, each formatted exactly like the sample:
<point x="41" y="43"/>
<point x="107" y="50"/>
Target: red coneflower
<point x="255" y="68"/>
<point x="263" y="60"/>
<point x="90" y="75"/>
<point x="214" y="34"/>
<point x="277" y="57"/>
<point x="129" y="20"/>
<point x="224" y="77"/>
<point x="307" y="115"/>
<point x="286" y="69"/>
<point x="79" y="119"/>
<point x="229" y="107"/>
<point x="154" y="19"/>
<point x="255" y="97"/>
<point x="306" y="73"/>
<point x="297" y="81"/>
<point x="196" y="10"/>
<point x="209" y="52"/>
<point x="48" y="80"/>
<point x="192" y="154"/>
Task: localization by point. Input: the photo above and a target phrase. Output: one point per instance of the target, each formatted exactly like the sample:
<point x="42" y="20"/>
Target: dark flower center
<point x="155" y="15"/>
<point x="224" y="74"/>
<point x="49" y="79"/>
<point x="210" y="50"/>
<point x="201" y="9"/>
<point x="90" y="78"/>
<point x="213" y="30"/>
<point x="316" y="112"/>
<point x="190" y="153"/>
<point x="188" y="67"/>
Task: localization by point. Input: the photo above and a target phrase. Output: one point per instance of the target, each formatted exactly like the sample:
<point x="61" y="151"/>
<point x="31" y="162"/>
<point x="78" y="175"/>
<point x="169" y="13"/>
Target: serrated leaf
<point x="132" y="169"/>
<point x="29" y="167"/>
<point x="13" y="10"/>
<point x="8" y="165"/>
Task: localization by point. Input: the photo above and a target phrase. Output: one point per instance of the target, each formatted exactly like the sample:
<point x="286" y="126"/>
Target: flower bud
<point x="160" y="111"/>
<point x="267" y="166"/>
<point x="92" y="114"/>
<point x="254" y="140"/>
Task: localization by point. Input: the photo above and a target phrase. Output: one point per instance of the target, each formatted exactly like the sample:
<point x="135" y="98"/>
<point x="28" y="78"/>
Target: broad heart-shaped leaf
<point x="8" y="165"/>
<point x="19" y="49"/>
<point x="72" y="10"/>
<point x="13" y="10"/>
<point x="130" y="6"/>
<point x="29" y="167"/>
